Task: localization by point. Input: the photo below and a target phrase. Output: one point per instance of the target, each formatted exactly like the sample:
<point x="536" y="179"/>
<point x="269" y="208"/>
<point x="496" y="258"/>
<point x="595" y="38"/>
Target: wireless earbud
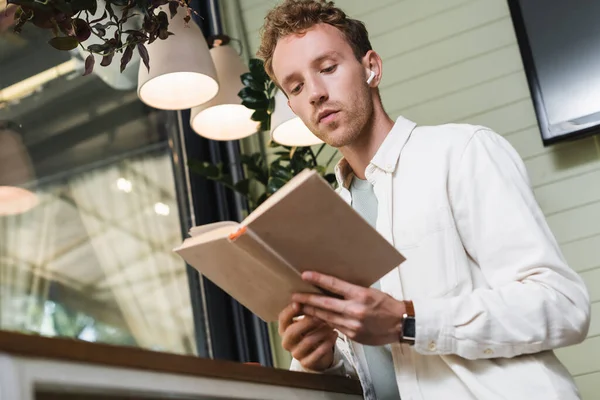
<point x="371" y="76"/>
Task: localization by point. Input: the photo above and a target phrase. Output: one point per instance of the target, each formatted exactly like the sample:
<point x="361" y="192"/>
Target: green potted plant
<point x="73" y="22"/>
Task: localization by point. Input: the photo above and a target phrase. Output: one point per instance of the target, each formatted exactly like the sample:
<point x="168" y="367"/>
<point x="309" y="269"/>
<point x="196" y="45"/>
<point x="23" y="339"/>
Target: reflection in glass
<point x="92" y="259"/>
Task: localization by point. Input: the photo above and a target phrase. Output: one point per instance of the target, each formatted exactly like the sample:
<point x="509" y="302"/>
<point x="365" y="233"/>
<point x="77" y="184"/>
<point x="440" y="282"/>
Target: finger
<point x="332" y="319"/>
<point x="323" y="350"/>
<point x="286" y="317"/>
<point x="298" y="330"/>
<point x="324" y="302"/>
<point x="334" y="285"/>
<point x="312" y="341"/>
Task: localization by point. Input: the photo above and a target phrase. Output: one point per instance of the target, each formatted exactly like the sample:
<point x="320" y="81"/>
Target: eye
<point x="329" y="69"/>
<point x="296" y="89"/>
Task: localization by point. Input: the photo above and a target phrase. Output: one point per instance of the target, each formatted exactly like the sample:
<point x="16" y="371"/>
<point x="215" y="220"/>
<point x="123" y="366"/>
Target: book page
<point x="221" y="231"/>
<point x="199" y="230"/>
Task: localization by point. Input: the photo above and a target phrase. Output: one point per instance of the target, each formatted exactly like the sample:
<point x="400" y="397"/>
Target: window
<point x="86" y="244"/>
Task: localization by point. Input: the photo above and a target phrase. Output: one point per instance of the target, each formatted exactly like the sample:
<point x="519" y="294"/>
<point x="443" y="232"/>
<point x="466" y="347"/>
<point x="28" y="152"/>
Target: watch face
<point x="408" y="330"/>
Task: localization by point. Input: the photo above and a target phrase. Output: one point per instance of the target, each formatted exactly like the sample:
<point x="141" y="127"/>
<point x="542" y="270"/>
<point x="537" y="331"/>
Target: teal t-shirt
<point x="379" y="358"/>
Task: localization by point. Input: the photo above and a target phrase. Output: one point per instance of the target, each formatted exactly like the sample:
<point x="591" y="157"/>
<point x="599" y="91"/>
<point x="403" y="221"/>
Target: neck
<point x="359" y="153"/>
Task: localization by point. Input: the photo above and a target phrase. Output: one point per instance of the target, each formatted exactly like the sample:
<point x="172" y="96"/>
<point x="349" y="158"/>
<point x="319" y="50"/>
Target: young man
<point x="485" y="294"/>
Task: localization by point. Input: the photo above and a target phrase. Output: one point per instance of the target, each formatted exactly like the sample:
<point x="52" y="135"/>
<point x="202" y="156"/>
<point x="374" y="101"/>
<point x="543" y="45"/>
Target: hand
<point x="365" y="315"/>
<point x="309" y="340"/>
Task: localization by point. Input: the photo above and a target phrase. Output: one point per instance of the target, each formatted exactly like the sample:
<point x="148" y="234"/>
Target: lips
<point x="323" y="115"/>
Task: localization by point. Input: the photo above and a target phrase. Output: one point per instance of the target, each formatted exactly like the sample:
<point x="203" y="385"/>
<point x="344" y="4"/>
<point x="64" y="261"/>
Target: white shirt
<point x="492" y="292"/>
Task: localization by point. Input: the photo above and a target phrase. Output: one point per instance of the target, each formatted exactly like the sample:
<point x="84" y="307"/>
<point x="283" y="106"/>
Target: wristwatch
<point x="408" y="333"/>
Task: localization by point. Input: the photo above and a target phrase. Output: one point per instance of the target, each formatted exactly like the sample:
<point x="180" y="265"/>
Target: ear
<point x="372" y="61"/>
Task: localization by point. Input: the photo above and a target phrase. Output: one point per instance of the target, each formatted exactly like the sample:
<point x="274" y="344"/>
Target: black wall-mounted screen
<point x="560" y="46"/>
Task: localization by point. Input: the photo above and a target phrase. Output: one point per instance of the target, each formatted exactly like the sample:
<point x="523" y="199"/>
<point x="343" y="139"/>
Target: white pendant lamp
<point x="224" y="117"/>
<point x="287" y="128"/>
<point x="15" y="172"/>
<point x="182" y="74"/>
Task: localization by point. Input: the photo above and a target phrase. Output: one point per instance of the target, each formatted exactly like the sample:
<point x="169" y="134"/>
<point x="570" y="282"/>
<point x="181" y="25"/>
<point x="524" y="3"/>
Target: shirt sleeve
<point x="341" y="365"/>
<point x="535" y="301"/>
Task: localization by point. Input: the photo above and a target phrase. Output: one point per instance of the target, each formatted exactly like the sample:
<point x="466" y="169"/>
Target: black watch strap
<point x="408" y="333"/>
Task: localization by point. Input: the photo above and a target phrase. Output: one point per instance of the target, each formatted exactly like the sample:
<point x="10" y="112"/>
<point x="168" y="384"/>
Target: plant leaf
<point x="98" y="48"/>
<point x="158" y="3"/>
<point x="64" y="43"/>
<point x="259" y="115"/>
<point x="142" y="5"/>
<point x="330" y="178"/>
<point x="101" y="28"/>
<point x="243" y="186"/>
<point x="275" y="184"/>
<point x="127" y="54"/>
<point x="107" y="59"/>
<point x="144" y="55"/>
<point x="63" y="7"/>
<point x="99" y="19"/>
<point x="163" y="19"/>
<point x="257" y="69"/>
<point x="110" y="11"/>
<point x="163" y="34"/>
<point x="205" y="169"/>
<point x="251" y="94"/>
<point x="254" y="164"/>
<point x="89" y="64"/>
<point x="80" y="5"/>
<point x="278" y="171"/>
<point x="173" y="5"/>
<point x="298" y="164"/>
<point x="254" y="104"/>
<point x="23" y="17"/>
<point x="262" y="198"/>
<point x="31" y="5"/>
<point x="265" y="125"/>
<point x="248" y="81"/>
<point x="82" y="30"/>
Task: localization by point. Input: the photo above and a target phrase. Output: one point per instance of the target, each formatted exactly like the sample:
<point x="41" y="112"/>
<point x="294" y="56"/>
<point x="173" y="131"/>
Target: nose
<point x="318" y="93"/>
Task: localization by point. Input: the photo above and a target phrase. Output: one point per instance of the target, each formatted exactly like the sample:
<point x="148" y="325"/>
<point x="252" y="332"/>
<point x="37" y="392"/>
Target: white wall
<point x="458" y="61"/>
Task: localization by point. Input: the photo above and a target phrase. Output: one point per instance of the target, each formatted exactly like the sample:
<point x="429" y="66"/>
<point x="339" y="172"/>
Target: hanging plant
<point x="72" y="23"/>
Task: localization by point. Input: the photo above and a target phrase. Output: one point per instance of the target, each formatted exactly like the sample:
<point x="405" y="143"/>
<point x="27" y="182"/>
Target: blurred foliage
<point x="53" y="319"/>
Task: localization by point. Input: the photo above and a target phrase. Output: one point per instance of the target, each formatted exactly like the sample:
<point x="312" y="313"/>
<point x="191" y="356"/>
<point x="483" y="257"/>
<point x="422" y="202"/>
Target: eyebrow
<point x="316" y="61"/>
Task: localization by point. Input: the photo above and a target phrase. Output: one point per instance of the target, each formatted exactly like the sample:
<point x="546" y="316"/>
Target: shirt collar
<point x="387" y="156"/>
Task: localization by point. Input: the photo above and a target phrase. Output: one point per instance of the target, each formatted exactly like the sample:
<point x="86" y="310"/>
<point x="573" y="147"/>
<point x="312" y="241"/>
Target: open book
<point x="304" y="226"/>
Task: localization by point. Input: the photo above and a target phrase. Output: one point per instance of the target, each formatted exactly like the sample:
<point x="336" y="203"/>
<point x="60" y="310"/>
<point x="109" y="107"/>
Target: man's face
<point x="325" y="83"/>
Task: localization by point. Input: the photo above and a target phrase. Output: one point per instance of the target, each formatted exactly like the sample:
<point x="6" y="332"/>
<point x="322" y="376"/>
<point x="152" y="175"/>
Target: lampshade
<point x="15" y="172"/>
<point x="182" y="74"/>
<point x="224" y="117"/>
<point x="287" y="128"/>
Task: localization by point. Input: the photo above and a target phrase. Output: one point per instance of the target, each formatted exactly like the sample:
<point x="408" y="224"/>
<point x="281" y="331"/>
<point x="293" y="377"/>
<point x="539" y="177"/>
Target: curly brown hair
<point x="297" y="16"/>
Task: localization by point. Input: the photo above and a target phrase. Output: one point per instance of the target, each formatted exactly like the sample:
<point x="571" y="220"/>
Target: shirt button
<point x="432" y="346"/>
<point x="488" y="351"/>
